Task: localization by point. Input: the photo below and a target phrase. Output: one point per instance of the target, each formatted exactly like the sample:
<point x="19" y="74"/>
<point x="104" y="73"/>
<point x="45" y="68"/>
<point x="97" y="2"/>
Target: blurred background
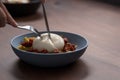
<point x="20" y="8"/>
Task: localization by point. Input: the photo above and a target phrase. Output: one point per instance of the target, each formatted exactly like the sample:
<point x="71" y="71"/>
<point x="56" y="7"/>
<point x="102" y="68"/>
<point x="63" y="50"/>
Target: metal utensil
<point x="30" y="28"/>
<point x="46" y="20"/>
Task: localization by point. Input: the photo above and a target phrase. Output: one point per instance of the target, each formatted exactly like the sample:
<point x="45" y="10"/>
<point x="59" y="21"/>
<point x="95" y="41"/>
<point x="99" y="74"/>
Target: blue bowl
<point x="51" y="59"/>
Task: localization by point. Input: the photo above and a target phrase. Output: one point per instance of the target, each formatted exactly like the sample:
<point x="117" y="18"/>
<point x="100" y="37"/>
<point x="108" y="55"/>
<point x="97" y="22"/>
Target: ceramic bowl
<point x="23" y="9"/>
<point x="51" y="59"/>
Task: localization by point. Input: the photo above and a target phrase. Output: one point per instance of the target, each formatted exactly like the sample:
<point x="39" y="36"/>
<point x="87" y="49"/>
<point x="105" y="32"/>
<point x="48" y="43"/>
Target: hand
<point x="5" y="17"/>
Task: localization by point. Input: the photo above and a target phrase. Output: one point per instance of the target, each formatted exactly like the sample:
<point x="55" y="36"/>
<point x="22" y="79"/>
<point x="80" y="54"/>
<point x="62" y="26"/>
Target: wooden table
<point x="98" y="22"/>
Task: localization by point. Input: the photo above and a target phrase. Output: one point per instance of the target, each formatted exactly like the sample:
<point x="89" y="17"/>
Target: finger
<point x="10" y="19"/>
<point x="3" y="18"/>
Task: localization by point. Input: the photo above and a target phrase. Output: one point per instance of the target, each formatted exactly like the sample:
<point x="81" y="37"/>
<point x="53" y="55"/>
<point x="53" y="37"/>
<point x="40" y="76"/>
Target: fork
<point x="30" y="28"/>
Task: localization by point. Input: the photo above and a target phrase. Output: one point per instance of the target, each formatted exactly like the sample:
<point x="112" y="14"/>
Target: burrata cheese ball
<point x="43" y="42"/>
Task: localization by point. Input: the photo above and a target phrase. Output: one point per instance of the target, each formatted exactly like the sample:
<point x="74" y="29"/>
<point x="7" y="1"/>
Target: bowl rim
<point x="70" y="52"/>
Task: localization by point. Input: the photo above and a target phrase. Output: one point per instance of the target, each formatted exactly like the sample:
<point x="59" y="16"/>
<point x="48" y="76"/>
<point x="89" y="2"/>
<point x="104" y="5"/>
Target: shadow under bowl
<point x="51" y="59"/>
<point x="23" y="9"/>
